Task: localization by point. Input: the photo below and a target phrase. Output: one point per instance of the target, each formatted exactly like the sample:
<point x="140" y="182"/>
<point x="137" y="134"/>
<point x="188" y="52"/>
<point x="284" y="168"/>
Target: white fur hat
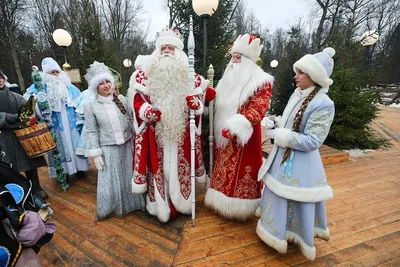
<point x="318" y="66"/>
<point x="169" y="36"/>
<point x="49" y="65"/>
<point x="248" y="45"/>
<point x="97" y="73"/>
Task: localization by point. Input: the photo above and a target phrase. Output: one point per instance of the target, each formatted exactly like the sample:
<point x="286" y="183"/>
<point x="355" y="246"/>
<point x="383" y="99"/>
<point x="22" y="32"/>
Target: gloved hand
<point x="98" y="161"/>
<point x="227" y="134"/>
<point x="267" y="123"/>
<point x="152" y="115"/>
<point x="11" y="118"/>
<point x="193" y="102"/>
<point x="271" y="133"/>
<point x="210" y="94"/>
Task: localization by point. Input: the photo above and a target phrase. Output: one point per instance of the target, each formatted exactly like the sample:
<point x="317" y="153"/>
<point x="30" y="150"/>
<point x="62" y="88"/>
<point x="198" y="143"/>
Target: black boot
<point x="36" y="188"/>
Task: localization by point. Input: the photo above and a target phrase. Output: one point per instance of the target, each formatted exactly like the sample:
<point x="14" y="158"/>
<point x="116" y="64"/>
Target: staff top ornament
<point x="169" y="36"/>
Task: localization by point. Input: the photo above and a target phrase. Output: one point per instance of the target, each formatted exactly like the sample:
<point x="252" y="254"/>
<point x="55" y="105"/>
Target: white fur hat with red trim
<point x="248" y="45"/>
<point x="318" y="66"/>
<point x="169" y="36"/>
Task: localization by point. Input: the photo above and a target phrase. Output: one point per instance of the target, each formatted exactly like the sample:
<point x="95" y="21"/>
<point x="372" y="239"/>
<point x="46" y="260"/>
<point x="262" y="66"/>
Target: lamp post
<point x="63" y="38"/>
<point x="274" y="63"/>
<point x="368" y="39"/>
<point x="205" y="9"/>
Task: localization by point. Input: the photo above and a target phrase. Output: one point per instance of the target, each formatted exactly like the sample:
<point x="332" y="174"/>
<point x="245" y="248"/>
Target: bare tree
<point x="12" y="17"/>
<point x="46" y="17"/>
<point x="122" y="19"/>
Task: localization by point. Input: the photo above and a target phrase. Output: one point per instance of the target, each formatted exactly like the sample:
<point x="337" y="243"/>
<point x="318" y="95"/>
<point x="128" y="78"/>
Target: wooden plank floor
<point x="363" y="217"/>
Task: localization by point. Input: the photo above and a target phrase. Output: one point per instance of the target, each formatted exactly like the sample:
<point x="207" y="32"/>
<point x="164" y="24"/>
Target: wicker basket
<point x="36" y="141"/>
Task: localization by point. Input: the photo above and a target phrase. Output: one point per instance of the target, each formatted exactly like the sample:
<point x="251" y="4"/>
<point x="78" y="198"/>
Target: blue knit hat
<point x="318" y="66"/>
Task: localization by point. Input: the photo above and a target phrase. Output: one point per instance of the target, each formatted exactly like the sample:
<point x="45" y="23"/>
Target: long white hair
<point x="233" y="90"/>
<point x="56" y="88"/>
<point x="167" y="80"/>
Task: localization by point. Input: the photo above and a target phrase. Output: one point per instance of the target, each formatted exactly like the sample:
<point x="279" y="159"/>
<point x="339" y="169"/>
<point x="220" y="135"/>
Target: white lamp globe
<point x="127" y="63"/>
<point x="205" y="7"/>
<point x="369" y="38"/>
<point x="62" y="37"/>
<point x="274" y="63"/>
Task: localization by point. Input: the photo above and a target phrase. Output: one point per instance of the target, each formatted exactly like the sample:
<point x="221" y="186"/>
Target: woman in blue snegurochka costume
<point x="293" y="203"/>
<point x="109" y="136"/>
<point x="61" y="95"/>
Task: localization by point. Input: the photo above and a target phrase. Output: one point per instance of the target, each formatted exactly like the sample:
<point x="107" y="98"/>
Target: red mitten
<point x="227" y="134"/>
<point x="152" y="115"/>
<point x="210" y="94"/>
<point x="193" y="102"/>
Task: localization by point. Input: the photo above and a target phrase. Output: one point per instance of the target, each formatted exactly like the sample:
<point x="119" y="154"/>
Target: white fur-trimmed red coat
<point x="161" y="171"/>
<point x="235" y="192"/>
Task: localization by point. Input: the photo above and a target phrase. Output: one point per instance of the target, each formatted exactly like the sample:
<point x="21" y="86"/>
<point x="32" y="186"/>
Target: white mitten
<point x="98" y="161"/>
<point x="267" y="123"/>
<point x="271" y="134"/>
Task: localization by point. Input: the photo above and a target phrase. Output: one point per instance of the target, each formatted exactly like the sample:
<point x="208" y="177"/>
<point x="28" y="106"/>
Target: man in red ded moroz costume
<point x="161" y="105"/>
<point x="242" y="101"/>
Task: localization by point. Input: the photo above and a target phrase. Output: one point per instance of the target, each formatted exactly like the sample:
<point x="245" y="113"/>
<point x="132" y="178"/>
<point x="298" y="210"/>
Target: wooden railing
<point x="387" y="93"/>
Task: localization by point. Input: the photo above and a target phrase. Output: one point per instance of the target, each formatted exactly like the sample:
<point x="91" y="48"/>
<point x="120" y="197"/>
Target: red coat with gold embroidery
<point x="163" y="184"/>
<point x="235" y="191"/>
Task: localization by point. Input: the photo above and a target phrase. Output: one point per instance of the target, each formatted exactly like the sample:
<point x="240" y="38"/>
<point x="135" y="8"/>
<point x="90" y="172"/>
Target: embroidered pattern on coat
<point x="138" y="177"/>
<point x="293" y="224"/>
<point x="224" y="169"/>
<point x="268" y="220"/>
<point x="247" y="188"/>
<point x="184" y="173"/>
<point x="199" y="157"/>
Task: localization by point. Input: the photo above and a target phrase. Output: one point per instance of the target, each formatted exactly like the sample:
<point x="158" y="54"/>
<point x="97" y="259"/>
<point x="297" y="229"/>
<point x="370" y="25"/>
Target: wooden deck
<point x="363" y="217"/>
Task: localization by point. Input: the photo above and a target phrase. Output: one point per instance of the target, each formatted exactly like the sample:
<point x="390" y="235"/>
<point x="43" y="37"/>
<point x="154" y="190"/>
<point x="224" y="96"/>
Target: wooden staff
<point x="210" y="78"/>
<point x="192" y="121"/>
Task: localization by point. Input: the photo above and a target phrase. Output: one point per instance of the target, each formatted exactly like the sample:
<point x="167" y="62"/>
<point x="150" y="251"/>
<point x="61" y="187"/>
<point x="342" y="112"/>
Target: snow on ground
<point x="357" y="153"/>
<point x="395" y="105"/>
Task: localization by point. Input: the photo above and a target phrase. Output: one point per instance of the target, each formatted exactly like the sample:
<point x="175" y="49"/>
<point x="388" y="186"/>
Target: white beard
<point x="56" y="87"/>
<point x="239" y="82"/>
<point x="167" y="80"/>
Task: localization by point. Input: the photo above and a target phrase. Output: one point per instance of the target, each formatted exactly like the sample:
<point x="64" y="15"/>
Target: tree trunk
<point x="14" y="55"/>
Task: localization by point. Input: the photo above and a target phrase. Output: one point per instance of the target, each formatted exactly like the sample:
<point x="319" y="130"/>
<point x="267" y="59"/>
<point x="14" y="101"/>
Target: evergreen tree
<point x="284" y="85"/>
<point x="220" y="31"/>
<point x="354" y="110"/>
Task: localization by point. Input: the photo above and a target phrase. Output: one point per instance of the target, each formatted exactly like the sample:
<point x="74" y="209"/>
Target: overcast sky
<point x="271" y="13"/>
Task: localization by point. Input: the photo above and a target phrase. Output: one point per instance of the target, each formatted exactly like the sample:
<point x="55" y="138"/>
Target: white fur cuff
<point x="281" y="136"/>
<point x="95" y="152"/>
<point x="200" y="110"/>
<point x="142" y="110"/>
<point x="241" y="127"/>
<point x="138" y="188"/>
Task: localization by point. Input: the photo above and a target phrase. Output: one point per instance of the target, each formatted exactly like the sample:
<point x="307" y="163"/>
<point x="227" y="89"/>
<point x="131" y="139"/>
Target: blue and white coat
<point x="293" y="207"/>
<point x="65" y="127"/>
